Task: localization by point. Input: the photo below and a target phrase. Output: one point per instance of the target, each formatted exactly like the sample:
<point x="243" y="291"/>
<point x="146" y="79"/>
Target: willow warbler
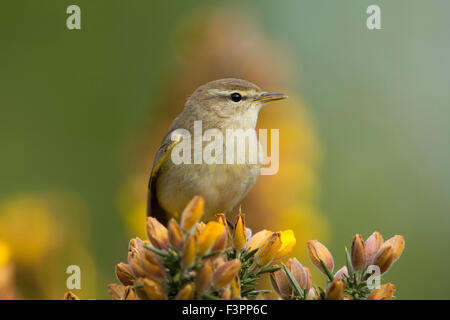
<point x="220" y="105"/>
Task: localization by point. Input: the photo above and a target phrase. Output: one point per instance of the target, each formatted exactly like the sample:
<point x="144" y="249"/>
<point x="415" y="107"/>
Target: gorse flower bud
<point x="192" y="213"/>
<point x="226" y="273"/>
<point x="154" y="290"/>
<point x="119" y="292"/>
<point x="133" y="262"/>
<point x="188" y="255"/>
<point x="298" y="272"/>
<point x="385" y="292"/>
<point x="317" y="252"/>
<point x="269" y="249"/>
<point x="358" y="253"/>
<point x="342" y="273"/>
<point x="398" y="244"/>
<point x="157" y="234"/>
<point x="123" y="273"/>
<point x="372" y="245"/>
<point x="336" y="290"/>
<point x="203" y="280"/>
<point x="281" y="284"/>
<point x="240" y="234"/>
<point x="186" y="293"/>
<point x="384" y="257"/>
<point x="152" y="270"/>
<point x="176" y="238"/>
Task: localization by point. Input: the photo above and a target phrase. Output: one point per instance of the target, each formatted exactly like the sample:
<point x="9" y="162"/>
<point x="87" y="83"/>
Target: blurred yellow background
<point x="363" y="135"/>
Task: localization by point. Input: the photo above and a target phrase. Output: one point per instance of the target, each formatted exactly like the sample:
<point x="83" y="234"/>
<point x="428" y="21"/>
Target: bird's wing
<point x="154" y="209"/>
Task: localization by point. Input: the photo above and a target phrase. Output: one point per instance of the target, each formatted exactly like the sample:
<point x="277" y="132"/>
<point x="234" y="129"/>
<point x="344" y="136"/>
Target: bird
<point x="218" y="105"/>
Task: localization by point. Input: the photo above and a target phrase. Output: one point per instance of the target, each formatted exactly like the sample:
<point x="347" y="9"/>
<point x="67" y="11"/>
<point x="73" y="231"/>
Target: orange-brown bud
<point x="240" y="234"/>
<point x="342" y="273"/>
<point x="358" y="253"/>
<point x="204" y="277"/>
<point x="123" y="274"/>
<point x="192" y="213"/>
<point x="188" y="255"/>
<point x="317" y="252"/>
<point x="186" y="293"/>
<point x="298" y="272"/>
<point x="154" y="290"/>
<point x="385" y="292"/>
<point x="336" y="290"/>
<point x="281" y="284"/>
<point x="226" y="273"/>
<point x="176" y="238"/>
<point x="398" y="244"/>
<point x="153" y="271"/>
<point x="157" y="234"/>
<point x="384" y="257"/>
<point x="218" y="262"/>
<point x="133" y="261"/>
<point x="372" y="245"/>
<point x="119" y="292"/>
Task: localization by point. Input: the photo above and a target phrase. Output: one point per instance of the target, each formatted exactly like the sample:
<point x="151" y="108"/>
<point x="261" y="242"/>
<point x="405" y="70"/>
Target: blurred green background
<point x="71" y="102"/>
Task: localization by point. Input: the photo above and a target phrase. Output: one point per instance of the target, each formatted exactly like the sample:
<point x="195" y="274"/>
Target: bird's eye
<point x="236" y="97"/>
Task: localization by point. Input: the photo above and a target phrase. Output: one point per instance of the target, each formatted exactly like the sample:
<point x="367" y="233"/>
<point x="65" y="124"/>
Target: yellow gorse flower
<point x="212" y="232"/>
<point x="269" y="249"/>
<point x="287" y="244"/>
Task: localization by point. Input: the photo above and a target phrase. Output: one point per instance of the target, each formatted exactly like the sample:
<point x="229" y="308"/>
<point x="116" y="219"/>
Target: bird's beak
<point x="268" y="97"/>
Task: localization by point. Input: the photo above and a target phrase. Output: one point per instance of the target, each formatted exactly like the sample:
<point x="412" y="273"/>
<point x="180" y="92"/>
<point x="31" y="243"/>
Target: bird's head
<point x="230" y="100"/>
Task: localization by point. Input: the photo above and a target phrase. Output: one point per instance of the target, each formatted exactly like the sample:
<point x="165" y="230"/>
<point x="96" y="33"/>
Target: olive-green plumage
<point x="221" y="104"/>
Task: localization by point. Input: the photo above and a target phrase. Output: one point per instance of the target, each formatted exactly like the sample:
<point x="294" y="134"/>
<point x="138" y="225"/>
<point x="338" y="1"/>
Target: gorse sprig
<point x="191" y="259"/>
